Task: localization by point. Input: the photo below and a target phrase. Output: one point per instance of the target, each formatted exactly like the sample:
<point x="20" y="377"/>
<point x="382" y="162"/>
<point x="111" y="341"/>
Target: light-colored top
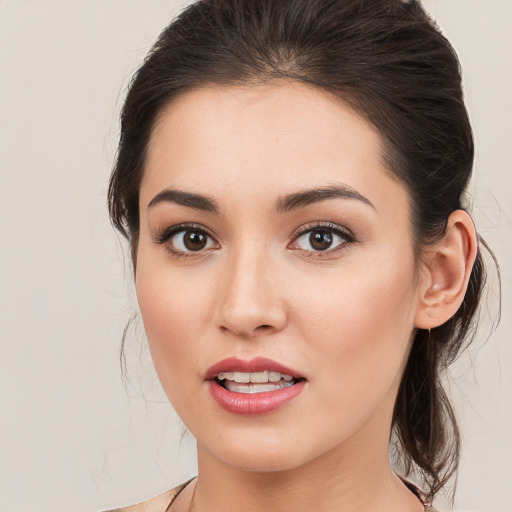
<point x="163" y="502"/>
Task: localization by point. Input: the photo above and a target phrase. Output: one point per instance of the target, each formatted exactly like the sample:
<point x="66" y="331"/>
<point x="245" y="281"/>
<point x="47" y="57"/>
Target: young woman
<point x="291" y="178"/>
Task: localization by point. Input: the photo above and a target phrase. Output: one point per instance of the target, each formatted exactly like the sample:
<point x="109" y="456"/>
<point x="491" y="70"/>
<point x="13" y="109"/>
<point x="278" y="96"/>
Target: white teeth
<point x="259" y="377"/>
<point x="242" y="377"/>
<point x="254" y="377"/>
<point x="235" y="387"/>
<point x="274" y="376"/>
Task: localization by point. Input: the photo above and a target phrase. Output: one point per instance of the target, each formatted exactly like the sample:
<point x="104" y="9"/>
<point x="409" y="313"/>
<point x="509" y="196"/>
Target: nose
<point x="250" y="302"/>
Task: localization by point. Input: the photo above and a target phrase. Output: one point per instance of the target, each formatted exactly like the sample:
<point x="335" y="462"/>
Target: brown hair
<point x="386" y="59"/>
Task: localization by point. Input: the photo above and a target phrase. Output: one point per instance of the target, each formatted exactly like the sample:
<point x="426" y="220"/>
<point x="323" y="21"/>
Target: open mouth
<point x="253" y="393"/>
<point x="255" y="382"/>
<point x="252" y="387"/>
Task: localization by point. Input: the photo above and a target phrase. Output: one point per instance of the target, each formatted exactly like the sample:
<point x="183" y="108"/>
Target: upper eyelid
<point x="162" y="236"/>
<point x="311" y="226"/>
<point x="345" y="234"/>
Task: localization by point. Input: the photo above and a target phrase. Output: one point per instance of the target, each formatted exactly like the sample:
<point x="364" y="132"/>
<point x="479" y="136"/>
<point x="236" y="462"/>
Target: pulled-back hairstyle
<point x="389" y="62"/>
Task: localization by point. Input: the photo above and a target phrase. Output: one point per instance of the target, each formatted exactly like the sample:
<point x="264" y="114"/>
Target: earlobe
<point x="447" y="272"/>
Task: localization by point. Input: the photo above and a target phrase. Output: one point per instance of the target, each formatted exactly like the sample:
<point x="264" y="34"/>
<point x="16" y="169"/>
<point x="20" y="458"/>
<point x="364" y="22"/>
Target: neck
<point x="353" y="477"/>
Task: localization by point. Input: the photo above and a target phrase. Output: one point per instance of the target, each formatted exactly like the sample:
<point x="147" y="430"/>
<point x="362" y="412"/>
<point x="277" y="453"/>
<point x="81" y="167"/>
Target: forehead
<point x="264" y="140"/>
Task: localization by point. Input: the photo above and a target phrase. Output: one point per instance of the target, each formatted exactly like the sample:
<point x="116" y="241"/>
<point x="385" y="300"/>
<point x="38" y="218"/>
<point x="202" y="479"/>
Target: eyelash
<point x="348" y="238"/>
<point x="163" y="237"/>
<point x="343" y="233"/>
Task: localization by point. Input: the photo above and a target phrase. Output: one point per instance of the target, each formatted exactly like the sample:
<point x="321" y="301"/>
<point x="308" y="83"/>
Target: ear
<point x="446" y="272"/>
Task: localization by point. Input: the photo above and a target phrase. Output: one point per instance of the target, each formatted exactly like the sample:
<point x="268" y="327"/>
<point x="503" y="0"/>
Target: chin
<point x="260" y="461"/>
<point x="258" y="451"/>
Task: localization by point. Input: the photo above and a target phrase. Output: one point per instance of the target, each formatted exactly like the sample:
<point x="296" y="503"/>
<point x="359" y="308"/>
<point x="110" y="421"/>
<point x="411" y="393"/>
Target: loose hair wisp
<point x="391" y="64"/>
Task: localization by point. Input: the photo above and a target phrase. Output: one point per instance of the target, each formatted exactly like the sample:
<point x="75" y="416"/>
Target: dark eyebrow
<point x="189" y="199"/>
<point x="315" y="195"/>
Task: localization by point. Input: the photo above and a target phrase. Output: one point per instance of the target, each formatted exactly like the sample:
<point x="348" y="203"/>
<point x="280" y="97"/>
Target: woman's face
<point x="273" y="238"/>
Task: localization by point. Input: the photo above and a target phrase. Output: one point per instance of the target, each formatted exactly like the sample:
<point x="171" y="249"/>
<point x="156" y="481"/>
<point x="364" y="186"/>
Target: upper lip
<point x="257" y="364"/>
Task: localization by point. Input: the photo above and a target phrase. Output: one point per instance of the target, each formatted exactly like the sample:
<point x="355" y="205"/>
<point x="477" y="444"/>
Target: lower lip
<point x="253" y="404"/>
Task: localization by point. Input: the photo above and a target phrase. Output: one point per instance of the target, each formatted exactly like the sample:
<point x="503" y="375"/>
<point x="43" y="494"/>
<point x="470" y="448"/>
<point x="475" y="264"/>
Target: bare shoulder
<point x="159" y="503"/>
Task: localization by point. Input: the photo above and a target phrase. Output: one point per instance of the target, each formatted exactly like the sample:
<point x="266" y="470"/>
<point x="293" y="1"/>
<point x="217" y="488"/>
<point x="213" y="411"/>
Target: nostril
<point x="260" y="329"/>
<point x="263" y="328"/>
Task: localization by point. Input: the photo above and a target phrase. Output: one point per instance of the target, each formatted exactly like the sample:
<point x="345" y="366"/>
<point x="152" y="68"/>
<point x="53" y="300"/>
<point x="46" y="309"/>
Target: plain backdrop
<point x="72" y="435"/>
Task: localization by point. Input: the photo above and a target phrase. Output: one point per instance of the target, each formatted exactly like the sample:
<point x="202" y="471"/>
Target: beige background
<point x="71" y="437"/>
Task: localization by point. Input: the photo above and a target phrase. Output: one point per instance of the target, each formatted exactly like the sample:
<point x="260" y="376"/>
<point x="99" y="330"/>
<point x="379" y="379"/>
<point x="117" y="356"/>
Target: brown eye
<point x="187" y="240"/>
<point x="320" y="240"/>
<point x="195" y="240"/>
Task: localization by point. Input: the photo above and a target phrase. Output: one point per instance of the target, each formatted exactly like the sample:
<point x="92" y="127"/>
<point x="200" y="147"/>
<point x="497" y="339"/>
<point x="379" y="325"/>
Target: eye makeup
<point x="196" y="240"/>
<point x="325" y="239"/>
<point x="315" y="239"/>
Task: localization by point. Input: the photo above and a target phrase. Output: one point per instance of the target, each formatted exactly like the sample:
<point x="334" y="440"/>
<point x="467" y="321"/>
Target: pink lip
<point x="257" y="364"/>
<point x="256" y="403"/>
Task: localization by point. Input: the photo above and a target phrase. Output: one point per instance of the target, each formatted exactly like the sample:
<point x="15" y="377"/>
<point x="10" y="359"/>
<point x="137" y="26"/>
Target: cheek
<point x="360" y="322"/>
<point x="173" y="310"/>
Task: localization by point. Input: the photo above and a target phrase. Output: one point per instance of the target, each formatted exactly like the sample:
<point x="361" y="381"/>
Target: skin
<point x="344" y="318"/>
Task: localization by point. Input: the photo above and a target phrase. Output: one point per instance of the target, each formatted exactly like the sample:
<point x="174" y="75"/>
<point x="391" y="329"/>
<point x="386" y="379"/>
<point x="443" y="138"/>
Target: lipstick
<point x="253" y="387"/>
